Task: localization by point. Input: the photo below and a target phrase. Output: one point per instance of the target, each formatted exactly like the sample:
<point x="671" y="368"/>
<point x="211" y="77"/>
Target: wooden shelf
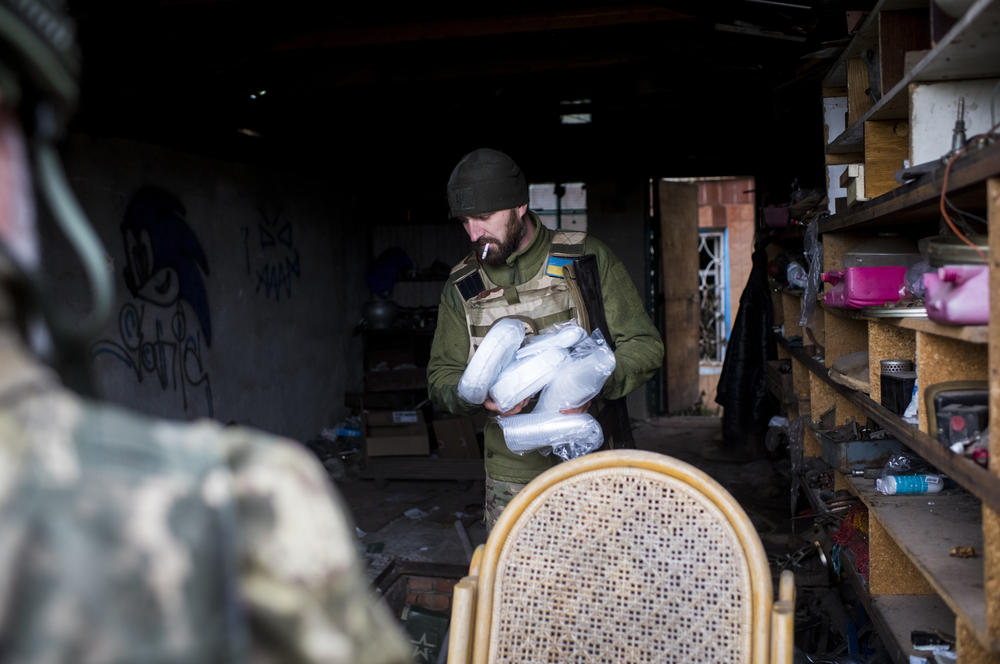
<point x="895" y="616"/>
<point x="974" y="334"/>
<point x="898" y="615"/>
<point x="866" y="37"/>
<point x="917" y="202"/>
<point x="971" y="49"/>
<point x="912" y="536"/>
<point x="926" y="528"/>
<point x="974" y="478"/>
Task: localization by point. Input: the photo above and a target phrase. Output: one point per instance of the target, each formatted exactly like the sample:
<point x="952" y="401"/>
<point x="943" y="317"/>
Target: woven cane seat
<point x="622" y="556"/>
<point x="621" y="565"/>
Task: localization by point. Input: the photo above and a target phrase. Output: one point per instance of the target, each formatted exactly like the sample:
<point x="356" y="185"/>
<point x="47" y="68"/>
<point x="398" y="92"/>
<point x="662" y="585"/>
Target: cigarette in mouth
<point x="486" y="248"/>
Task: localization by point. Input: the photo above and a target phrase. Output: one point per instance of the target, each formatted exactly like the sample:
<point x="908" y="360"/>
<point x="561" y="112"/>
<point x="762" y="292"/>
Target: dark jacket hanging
<point x="742" y="388"/>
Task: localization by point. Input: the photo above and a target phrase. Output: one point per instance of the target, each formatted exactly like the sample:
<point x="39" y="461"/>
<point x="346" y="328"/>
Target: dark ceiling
<point x="673" y="88"/>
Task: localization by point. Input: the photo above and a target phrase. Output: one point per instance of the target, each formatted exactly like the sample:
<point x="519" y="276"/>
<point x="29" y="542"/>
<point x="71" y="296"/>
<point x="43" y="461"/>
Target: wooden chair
<point x="622" y="556"/>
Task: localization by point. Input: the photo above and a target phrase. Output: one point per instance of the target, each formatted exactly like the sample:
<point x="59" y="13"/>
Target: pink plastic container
<point x="958" y="294"/>
<point x="857" y="287"/>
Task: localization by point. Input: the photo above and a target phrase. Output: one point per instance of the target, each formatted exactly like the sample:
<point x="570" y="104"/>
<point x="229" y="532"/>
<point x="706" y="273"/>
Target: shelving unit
<point x="970" y="50"/>
<point x="915" y="582"/>
<point x="896" y="615"/>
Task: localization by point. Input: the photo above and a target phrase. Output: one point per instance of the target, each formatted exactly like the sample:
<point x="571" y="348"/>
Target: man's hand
<point x="491" y="406"/>
<point x="575" y="411"/>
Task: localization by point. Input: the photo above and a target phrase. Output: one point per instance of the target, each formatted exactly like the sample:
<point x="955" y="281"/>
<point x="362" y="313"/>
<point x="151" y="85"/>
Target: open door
<point x="679" y="270"/>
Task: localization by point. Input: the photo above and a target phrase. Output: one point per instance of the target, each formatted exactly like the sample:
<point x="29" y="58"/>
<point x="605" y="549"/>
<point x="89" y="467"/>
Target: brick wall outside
<point x="432" y="593"/>
<point x="723" y="204"/>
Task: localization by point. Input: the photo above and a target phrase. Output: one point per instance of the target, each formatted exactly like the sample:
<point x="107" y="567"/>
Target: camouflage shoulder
<point x="302" y="579"/>
<point x="463" y="268"/>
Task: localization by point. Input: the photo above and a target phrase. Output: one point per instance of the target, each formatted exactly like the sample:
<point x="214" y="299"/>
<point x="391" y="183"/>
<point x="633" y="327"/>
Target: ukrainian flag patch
<point x="555" y="266"/>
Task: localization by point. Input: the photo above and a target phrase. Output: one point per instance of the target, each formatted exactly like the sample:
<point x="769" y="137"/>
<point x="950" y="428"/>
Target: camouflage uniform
<point x="498" y="495"/>
<point x="127" y="539"/>
<point x="638" y="355"/>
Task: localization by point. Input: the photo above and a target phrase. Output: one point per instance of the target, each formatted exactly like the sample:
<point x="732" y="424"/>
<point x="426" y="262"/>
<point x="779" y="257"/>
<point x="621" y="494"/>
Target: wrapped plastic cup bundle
<point x="524" y="378"/>
<point x="494" y="353"/>
<point x="565" y="337"/>
<point x="569" y="436"/>
<point x="580" y="379"/>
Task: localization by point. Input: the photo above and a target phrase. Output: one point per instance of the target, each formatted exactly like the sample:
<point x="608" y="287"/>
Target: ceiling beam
<point x="480" y="26"/>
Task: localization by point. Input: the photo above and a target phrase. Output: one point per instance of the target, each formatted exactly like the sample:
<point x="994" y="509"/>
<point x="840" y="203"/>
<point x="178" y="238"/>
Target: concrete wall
<point x="242" y="303"/>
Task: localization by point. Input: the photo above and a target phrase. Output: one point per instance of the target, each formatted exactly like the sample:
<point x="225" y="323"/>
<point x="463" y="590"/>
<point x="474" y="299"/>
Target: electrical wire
<point x="945" y="204"/>
<point x="965" y="215"/>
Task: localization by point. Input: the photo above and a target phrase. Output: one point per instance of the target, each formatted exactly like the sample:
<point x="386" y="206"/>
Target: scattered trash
<point x="415" y="513"/>
<point x="335" y="468"/>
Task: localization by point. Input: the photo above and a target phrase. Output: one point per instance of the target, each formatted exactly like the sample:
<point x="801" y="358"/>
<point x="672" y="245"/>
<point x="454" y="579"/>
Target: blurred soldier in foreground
<point x="123" y="538"/>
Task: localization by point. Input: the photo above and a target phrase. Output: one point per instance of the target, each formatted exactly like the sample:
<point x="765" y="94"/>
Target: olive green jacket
<point x="638" y="354"/>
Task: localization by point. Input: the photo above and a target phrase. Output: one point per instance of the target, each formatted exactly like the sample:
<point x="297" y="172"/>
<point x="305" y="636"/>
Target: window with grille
<point x="712" y="290"/>
<point x="560" y="205"/>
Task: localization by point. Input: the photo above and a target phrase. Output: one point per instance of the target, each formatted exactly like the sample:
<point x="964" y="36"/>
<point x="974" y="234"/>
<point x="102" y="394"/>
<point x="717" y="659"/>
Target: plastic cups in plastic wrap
<point x="568" y="436"/>
<point x="580" y="378"/>
<point x="494" y="353"/>
<point x="524" y="378"/>
<point x="566" y="336"/>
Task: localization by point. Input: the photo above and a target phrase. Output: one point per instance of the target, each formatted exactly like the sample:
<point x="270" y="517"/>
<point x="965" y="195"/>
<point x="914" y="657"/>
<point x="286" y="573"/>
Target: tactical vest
<point x="542" y="301"/>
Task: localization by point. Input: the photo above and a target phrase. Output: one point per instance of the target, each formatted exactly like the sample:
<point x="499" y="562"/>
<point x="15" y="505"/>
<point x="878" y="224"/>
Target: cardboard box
<point x="396" y="433"/>
<point x="456" y="438"/>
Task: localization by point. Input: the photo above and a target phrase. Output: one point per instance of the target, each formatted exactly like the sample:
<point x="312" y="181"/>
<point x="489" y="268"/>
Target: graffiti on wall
<point x="276" y="263"/>
<point x="164" y="268"/>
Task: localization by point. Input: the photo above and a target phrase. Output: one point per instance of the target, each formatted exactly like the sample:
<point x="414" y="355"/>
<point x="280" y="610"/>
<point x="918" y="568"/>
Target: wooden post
<point x="991" y="520"/>
<point x="887" y="144"/>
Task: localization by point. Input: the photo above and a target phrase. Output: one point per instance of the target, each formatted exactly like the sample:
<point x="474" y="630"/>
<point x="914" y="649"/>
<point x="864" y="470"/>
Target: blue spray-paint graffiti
<point x="164" y="263"/>
<point x="280" y="258"/>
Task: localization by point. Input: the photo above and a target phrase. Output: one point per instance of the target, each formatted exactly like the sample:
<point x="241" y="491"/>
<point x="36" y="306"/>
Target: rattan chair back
<point x="623" y="556"/>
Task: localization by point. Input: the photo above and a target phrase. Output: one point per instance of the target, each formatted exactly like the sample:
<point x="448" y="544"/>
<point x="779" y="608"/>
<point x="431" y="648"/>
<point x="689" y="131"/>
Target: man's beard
<point x="499" y="251"/>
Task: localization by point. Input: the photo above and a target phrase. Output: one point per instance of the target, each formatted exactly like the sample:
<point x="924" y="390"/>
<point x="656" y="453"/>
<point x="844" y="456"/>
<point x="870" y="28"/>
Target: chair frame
<point x="773" y="621"/>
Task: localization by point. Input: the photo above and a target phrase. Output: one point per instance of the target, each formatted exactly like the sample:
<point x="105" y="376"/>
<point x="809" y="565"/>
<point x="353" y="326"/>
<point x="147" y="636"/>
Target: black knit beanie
<point x="485" y="180"/>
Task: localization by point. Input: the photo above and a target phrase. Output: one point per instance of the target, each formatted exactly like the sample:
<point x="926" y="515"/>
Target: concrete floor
<point x="416" y="521"/>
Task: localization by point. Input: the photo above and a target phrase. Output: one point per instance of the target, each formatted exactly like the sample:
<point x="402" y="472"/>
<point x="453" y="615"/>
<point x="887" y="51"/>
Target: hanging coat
<point x="742" y="390"/>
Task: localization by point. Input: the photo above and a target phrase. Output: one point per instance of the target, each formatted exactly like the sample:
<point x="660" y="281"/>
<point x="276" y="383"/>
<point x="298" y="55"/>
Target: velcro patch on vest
<point x="470" y="286"/>
<point x="555" y="266"/>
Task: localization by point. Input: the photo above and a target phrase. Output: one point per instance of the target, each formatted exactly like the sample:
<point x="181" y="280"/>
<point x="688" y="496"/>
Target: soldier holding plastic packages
<point x="124" y="538"/>
<point x="518" y="268"/>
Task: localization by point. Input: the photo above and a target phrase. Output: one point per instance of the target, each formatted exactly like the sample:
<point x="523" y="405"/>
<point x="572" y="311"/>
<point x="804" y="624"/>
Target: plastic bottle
<point x="896" y="484"/>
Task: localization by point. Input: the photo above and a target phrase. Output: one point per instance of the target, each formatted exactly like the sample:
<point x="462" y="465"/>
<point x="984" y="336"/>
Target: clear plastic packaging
<point x="914" y="280"/>
<point x="524" y="378"/>
<point x="494" y="353"/>
<point x="580" y="378"/>
<point x="813" y="251"/>
<point x="563" y="335"/>
<point x="796" y="275"/>
<point x="567" y="436"/>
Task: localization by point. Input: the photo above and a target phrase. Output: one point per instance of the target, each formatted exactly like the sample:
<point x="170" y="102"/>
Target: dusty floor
<point x="413" y="530"/>
<point x="422" y="521"/>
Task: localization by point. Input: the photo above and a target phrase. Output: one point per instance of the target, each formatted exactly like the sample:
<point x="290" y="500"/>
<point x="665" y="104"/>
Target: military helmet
<point x="485" y="180"/>
<point x="39" y="58"/>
